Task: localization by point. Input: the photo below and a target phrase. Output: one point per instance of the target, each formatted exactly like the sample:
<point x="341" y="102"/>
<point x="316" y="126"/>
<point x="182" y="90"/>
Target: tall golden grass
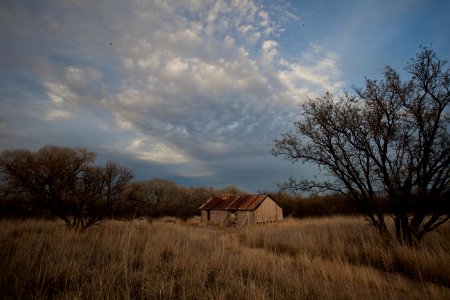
<point x="331" y="258"/>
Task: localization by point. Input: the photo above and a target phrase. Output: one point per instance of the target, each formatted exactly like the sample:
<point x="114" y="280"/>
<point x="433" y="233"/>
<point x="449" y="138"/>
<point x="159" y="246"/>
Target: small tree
<point x="66" y="183"/>
<point x="388" y="140"/>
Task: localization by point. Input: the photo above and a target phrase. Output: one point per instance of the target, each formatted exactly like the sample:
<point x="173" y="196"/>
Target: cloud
<point x="316" y="72"/>
<point x="77" y="91"/>
<point x="152" y="150"/>
<point x="188" y="83"/>
<point x="269" y="51"/>
<point x="203" y="85"/>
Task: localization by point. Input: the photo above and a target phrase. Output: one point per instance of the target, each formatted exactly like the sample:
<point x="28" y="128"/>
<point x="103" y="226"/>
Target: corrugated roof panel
<point x="245" y="202"/>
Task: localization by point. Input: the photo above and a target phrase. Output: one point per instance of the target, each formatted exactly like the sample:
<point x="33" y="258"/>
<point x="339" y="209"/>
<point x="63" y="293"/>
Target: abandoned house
<point x="240" y="210"/>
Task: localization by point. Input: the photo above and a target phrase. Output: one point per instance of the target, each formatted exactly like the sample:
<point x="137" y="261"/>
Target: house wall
<point x="218" y="216"/>
<point x="222" y="217"/>
<point x="245" y="217"/>
<point x="204" y="213"/>
<point x="279" y="213"/>
<point x="268" y="211"/>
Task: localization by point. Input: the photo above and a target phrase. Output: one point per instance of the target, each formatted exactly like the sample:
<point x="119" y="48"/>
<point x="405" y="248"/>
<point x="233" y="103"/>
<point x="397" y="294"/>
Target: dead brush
<point x="309" y="258"/>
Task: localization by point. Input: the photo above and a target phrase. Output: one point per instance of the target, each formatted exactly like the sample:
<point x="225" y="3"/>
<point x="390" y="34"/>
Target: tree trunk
<point x="404" y="231"/>
<point x="398" y="229"/>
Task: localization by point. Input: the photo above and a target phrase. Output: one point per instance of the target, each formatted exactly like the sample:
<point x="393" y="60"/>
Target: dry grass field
<point x="330" y="258"/>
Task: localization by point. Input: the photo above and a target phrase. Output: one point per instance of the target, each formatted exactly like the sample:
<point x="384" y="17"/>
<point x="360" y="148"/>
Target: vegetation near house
<point x="163" y="197"/>
<point x="387" y="143"/>
<point x="241" y="210"/>
<point x="61" y="182"/>
<point x="65" y="183"/>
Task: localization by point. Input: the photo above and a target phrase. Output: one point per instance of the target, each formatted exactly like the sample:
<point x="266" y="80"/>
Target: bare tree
<point x="388" y="140"/>
<point x="99" y="193"/>
<point x="66" y="183"/>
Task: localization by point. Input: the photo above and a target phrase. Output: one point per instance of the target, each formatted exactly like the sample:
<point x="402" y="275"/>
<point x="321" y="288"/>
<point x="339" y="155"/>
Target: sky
<point x="194" y="91"/>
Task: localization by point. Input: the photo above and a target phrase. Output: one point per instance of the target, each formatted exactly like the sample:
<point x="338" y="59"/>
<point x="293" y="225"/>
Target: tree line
<point x="65" y="183"/>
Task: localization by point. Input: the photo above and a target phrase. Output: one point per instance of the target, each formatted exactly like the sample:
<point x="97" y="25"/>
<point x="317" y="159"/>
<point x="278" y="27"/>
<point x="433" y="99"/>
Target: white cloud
<point x="269" y="51"/>
<point x="58" y="93"/>
<point x="316" y="72"/>
<point x="201" y="83"/>
<point x="188" y="80"/>
<point x="81" y="77"/>
<point x="57" y="114"/>
<point x="78" y="90"/>
<point x="157" y="152"/>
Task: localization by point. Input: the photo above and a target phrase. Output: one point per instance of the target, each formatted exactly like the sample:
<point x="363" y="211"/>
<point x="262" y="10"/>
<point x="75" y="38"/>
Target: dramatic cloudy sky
<point x="193" y="90"/>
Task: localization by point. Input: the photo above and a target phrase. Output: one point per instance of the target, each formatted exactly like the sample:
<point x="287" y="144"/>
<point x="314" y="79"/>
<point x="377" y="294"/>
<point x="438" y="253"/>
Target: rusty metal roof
<point x="246" y="202"/>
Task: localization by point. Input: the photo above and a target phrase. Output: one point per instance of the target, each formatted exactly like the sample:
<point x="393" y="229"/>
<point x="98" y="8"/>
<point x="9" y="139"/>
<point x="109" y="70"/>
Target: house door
<point x="208" y="215"/>
<point x="233" y="217"/>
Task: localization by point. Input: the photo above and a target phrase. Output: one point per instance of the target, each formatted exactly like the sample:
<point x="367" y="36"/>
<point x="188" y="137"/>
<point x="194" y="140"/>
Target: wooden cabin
<point x="241" y="210"/>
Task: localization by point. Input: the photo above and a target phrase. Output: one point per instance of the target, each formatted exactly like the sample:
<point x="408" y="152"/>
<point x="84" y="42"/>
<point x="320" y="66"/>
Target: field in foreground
<point x="332" y="258"/>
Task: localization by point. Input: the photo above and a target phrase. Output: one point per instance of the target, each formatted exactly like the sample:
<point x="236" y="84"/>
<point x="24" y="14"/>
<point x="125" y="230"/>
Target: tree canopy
<point x="65" y="183"/>
<point x="387" y="141"/>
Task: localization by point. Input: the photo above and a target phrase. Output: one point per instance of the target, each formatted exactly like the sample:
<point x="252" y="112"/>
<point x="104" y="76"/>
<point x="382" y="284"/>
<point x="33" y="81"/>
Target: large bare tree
<point x="65" y="183"/>
<point x="389" y="141"/>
